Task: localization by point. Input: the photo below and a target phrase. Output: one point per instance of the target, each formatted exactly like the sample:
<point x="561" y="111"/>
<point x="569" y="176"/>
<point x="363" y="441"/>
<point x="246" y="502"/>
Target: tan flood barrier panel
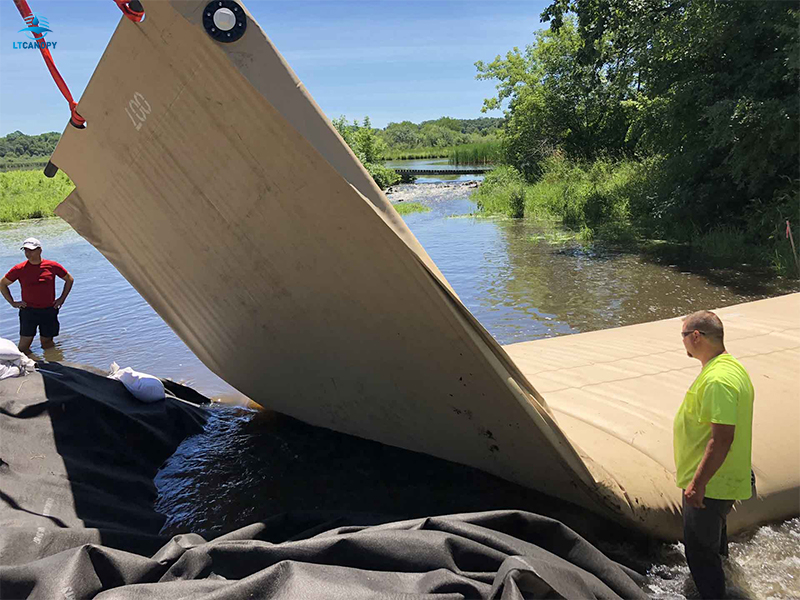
<point x="212" y="181"/>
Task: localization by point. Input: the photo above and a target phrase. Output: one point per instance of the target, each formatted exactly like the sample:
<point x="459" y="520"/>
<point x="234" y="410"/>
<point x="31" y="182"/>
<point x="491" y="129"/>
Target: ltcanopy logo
<point x="37" y="24"/>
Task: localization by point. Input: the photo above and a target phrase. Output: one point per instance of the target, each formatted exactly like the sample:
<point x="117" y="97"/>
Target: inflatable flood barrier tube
<point x="211" y="180"/>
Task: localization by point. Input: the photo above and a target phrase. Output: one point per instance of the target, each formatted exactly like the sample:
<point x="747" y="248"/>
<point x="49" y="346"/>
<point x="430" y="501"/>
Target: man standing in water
<point x="712" y="437"/>
<point x="39" y="306"/>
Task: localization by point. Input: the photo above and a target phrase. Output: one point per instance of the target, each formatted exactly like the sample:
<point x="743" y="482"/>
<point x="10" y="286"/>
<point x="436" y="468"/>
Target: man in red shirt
<point x="39" y="306"/>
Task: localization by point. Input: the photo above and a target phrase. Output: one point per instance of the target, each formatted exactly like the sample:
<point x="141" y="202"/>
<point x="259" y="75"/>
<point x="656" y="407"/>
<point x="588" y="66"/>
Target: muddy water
<point x="522" y="281"/>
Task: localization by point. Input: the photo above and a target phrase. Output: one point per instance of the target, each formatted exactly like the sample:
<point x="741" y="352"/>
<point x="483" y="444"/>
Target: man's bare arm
<point x="4" y="283"/>
<point x="716" y="451"/>
<point x="69" y="280"/>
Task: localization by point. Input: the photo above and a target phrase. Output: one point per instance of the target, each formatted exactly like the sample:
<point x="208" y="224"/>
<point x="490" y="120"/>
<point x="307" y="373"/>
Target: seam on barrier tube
<point x="647" y="415"/>
<point x="543" y="342"/>
<point x="616" y="436"/>
<point x="578" y="387"/>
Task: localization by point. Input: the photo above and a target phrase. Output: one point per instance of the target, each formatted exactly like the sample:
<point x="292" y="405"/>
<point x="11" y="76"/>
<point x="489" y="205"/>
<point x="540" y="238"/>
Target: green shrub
<point x="502" y="192"/>
<point x="724" y="241"/>
<point x="383" y="176"/>
<point x="368" y="147"/>
<point x="516" y="202"/>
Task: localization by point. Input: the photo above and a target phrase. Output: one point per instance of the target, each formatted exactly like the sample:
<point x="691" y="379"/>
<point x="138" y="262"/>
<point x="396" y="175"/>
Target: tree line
<point x="17" y="146"/>
<point x="439" y="133"/>
<point x="702" y="94"/>
<point x="444" y="132"/>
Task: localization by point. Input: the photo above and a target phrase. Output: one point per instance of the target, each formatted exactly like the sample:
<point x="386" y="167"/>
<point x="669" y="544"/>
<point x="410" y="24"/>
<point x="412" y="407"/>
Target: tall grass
<point x="725" y="241"/>
<point x="593" y="200"/>
<point x="613" y="201"/>
<point x="415" y="153"/>
<point x="482" y="153"/>
<point x="31" y="195"/>
<point x="501" y="192"/>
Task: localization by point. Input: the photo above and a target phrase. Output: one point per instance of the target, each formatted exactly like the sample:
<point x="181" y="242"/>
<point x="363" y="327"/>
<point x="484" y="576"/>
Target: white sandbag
<point x="9" y="350"/>
<point x="9" y="370"/>
<point x="144" y="387"/>
<point x="13" y="363"/>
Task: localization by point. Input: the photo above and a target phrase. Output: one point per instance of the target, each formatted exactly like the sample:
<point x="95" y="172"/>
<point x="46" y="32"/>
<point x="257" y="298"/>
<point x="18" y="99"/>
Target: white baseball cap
<point x="31" y="244"/>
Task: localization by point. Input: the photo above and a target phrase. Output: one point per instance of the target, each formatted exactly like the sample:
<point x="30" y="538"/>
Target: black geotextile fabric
<point x="78" y="458"/>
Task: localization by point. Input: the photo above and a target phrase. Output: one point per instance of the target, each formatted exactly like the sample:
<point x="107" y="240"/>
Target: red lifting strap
<point x="76" y="120"/>
<point x="134" y="15"/>
<point x="22" y="6"/>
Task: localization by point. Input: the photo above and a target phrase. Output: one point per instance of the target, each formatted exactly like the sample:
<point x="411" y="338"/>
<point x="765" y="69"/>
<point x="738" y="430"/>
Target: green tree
<point x="716" y="87"/>
<point x="403" y="135"/>
<point x="556" y="101"/>
<point x="447" y="123"/>
<point x="368" y="147"/>
<point x="367" y="143"/>
<point x="17" y="145"/>
<point x="438" y="136"/>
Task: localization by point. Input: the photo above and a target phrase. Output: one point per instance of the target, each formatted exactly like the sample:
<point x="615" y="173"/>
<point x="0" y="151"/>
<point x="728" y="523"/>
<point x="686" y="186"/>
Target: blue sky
<point x="391" y="60"/>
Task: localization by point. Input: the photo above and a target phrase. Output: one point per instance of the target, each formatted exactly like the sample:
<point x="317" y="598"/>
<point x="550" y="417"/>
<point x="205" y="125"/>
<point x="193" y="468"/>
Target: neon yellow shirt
<point x="722" y="393"/>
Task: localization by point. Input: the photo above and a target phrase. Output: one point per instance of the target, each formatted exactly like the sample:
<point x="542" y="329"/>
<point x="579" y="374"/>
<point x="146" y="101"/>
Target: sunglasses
<point x="685" y="333"/>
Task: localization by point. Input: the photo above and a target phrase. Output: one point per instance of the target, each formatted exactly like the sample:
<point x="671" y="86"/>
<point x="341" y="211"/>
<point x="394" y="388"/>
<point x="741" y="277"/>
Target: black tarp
<point x="79" y="454"/>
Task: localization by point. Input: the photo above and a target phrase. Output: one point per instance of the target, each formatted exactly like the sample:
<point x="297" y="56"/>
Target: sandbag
<point x="144" y="387"/>
<point x="13" y="363"/>
<point x="9" y="350"/>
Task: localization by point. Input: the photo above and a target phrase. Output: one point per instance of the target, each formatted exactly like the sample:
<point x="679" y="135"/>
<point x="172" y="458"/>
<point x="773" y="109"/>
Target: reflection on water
<point x="518" y="285"/>
<point x="521" y="286"/>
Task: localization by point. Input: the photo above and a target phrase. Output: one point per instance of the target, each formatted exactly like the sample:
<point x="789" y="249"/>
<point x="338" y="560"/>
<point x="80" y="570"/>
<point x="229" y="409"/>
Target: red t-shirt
<point x="38" y="282"/>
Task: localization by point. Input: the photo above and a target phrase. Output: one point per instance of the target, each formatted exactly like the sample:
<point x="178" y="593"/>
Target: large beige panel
<point x="234" y="208"/>
<point x="277" y="271"/>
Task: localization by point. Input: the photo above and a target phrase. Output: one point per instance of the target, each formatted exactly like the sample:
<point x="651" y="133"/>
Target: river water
<point x="523" y="281"/>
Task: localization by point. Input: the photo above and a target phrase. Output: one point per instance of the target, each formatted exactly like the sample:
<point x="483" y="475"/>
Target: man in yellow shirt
<point x="712" y="439"/>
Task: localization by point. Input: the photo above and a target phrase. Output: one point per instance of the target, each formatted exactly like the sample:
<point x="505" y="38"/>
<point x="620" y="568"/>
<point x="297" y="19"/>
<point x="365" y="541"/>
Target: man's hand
<point x="694" y="495"/>
<point x="58" y="303"/>
<point x="19" y="304"/>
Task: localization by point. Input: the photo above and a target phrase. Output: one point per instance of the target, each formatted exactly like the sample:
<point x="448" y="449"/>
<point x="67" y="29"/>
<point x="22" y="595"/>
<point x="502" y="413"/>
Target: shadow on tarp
<point x="79" y="454"/>
<point x="249" y="465"/>
<point x="77" y="517"/>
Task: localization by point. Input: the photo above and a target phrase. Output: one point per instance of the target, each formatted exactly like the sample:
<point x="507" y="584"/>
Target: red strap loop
<point x="134" y="15"/>
<point x="22" y="6"/>
<point x="76" y="120"/>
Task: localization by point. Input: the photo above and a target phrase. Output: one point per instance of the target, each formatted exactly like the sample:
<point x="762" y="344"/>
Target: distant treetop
<point x="17" y="145"/>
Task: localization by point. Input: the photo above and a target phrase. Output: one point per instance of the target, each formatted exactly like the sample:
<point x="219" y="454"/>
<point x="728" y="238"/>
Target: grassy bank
<point x="31" y="195"/>
<point x="407" y="208"/>
<point x="613" y="201"/>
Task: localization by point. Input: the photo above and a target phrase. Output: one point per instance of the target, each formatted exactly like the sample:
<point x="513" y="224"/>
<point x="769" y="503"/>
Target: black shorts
<point x="46" y="319"/>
